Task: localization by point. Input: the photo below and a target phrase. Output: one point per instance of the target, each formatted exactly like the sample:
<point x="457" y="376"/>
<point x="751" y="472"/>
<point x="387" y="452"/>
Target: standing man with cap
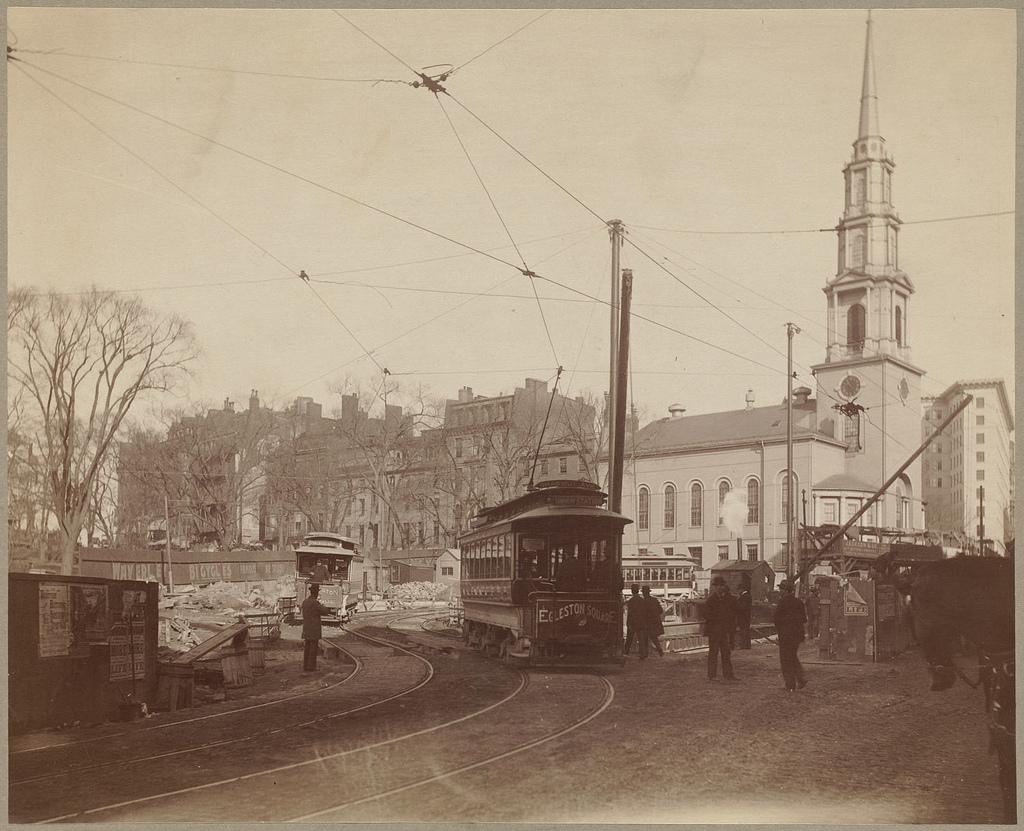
<point x="790" y="620"/>
<point x="653" y="626"/>
<point x="720" y="621"/>
<point x="312" y="609"/>
<point x="636" y="612"/>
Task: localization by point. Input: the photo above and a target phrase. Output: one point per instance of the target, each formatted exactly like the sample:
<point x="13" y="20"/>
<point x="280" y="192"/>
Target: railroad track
<point x="64" y="767"/>
<point x="210" y="796"/>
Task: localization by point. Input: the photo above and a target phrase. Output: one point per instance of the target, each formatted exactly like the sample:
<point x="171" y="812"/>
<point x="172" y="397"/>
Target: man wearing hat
<point x="312" y="609"/>
<point x="790" y="620"/>
<point x="720" y="621"/>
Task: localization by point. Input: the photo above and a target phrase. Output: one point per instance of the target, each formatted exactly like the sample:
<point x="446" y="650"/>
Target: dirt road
<point x="454" y="737"/>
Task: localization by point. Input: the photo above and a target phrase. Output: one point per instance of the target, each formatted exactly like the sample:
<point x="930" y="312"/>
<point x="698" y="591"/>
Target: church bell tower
<point x="867" y="361"/>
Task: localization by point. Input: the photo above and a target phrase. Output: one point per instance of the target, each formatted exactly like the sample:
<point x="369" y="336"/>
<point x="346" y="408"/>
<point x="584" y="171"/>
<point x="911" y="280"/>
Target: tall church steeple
<point x="868" y="96"/>
<point x="869" y="297"/>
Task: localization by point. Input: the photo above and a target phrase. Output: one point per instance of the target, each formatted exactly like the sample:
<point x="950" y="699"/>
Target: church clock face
<point x="850" y="386"/>
<point x="904" y="388"/>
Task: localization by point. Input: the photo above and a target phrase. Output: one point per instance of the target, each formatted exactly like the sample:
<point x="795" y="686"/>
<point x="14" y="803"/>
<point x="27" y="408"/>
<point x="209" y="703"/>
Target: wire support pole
<point x="615" y="487"/>
<point x="615" y="232"/>
<point x="791" y="329"/>
<point x="838" y="535"/>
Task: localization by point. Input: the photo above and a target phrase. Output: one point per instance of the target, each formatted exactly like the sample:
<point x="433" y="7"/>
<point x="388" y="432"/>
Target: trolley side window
<point x="533" y="555"/>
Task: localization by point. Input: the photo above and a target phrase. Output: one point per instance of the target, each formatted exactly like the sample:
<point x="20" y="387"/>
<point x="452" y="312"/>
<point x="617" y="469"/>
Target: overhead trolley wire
<point x="167" y="65"/>
<point x="832" y="230"/>
<point x="529" y="161"/>
<point x="492" y="46"/>
<point x="370" y="37"/>
<point x="201" y="204"/>
<point x="272" y="166"/>
<point x="384" y="212"/>
<point x="526" y="268"/>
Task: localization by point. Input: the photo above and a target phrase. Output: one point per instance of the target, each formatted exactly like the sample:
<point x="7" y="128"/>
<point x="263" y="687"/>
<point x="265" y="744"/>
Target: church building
<point x="713" y="486"/>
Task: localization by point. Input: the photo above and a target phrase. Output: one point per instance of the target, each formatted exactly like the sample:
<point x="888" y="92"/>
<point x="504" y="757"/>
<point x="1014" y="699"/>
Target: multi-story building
<point x="968" y="470"/>
<point x="714" y="486"/>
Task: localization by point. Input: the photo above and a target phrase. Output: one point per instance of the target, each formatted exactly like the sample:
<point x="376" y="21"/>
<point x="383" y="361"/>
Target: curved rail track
<point x="191" y="802"/>
<point x="46" y="764"/>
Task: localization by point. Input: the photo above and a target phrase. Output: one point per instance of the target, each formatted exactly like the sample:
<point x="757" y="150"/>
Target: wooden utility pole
<point x="791" y="329"/>
<point x="169" y="573"/>
<point x="615" y="232"/>
<point x="616" y="462"/>
<point x="981" y="519"/>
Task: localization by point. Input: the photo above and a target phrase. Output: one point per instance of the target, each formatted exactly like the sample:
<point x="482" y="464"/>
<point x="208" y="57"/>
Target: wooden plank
<point x="211" y="643"/>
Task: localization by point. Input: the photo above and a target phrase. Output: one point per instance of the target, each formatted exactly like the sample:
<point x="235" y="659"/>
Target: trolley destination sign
<point x="569" y="616"/>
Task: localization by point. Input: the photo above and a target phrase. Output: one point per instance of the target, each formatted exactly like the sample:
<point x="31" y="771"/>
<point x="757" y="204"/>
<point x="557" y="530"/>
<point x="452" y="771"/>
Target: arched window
<point x="643" y="513"/>
<point x="723" y="491"/>
<point x="899" y="326"/>
<point x="855" y="325"/>
<point x="670" y="506"/>
<point x="851" y="431"/>
<point x="753" y="501"/>
<point x="696" y="505"/>
<point x="784" y="489"/>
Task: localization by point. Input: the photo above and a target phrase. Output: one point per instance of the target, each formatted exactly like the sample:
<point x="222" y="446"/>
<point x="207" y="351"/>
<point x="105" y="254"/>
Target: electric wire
<point x="526" y="268"/>
<point x="202" y="205"/>
<point x="371" y="38"/>
<point x="63" y="54"/>
<point x="272" y="166"/>
<point x="374" y="208"/>
<point x="892" y="397"/>
<point x="489" y="48"/>
<point x="529" y="161"/>
<point x="832" y="230"/>
<point x="438" y="316"/>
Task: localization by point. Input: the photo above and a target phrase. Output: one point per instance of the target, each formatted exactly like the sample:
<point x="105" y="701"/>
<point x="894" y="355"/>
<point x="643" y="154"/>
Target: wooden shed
<point x="737" y="572"/>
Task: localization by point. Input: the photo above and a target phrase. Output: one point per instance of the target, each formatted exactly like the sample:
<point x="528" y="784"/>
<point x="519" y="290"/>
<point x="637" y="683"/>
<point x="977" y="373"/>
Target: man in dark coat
<point x="743" y="606"/>
<point x="790" y="620"/>
<point x="635" y="613"/>
<point x="720" y="621"/>
<point x="652" y="621"/>
<point x="312" y="609"/>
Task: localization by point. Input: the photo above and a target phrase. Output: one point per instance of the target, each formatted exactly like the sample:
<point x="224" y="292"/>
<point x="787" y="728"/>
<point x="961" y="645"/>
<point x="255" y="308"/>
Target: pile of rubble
<point x="418" y="591"/>
<point x="225" y="598"/>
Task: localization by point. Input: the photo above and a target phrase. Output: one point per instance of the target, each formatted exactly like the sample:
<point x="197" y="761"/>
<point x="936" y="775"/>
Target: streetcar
<point x="334" y="563"/>
<point x="541" y="578"/>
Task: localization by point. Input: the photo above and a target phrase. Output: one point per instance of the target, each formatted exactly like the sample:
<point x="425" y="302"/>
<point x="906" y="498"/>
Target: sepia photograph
<point x="529" y="416"/>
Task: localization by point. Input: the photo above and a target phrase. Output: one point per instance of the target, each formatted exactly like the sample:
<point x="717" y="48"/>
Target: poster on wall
<point x="128" y="638"/>
<point x="89" y="619"/>
<point x="54" y="620"/>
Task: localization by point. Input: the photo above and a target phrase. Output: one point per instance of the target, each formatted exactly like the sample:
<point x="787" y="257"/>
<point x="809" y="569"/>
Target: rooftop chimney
<point x="676" y="411"/>
<point x="750" y="399"/>
<point x="229" y="405"/>
<point x="465" y="394"/>
<point x="800" y="396"/>
<point x="254" y="400"/>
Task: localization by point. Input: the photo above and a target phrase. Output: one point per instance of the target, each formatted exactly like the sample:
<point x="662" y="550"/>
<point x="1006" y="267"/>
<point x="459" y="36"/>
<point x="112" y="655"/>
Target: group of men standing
<point x="727" y="622"/>
<point x="643" y="622"/>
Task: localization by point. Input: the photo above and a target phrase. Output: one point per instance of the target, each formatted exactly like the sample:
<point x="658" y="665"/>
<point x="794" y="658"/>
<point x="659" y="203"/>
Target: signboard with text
<point x="568" y="619"/>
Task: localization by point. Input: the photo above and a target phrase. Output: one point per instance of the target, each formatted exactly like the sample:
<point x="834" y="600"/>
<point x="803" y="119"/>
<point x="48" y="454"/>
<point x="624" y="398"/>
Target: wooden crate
<point x="175" y="685"/>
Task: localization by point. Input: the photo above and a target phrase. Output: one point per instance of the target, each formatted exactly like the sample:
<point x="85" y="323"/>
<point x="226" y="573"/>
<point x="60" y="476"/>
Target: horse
<point x="970" y="599"/>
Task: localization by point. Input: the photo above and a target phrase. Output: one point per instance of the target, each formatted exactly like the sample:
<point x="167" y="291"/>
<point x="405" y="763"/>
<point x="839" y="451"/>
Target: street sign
<point x="855" y="549"/>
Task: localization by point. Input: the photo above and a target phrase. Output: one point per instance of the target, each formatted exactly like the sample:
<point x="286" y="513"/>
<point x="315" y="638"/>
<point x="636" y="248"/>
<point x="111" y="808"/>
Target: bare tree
<point x="83" y="362"/>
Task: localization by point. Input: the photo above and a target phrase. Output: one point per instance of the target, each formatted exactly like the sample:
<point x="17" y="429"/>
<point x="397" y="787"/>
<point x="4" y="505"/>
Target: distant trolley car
<point x="333" y="562"/>
<point x="541" y="577"/>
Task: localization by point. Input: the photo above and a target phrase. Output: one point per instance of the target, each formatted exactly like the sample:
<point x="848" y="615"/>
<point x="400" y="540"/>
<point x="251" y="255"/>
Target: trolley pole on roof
<point x="615" y="232"/>
<point x="622" y="364"/>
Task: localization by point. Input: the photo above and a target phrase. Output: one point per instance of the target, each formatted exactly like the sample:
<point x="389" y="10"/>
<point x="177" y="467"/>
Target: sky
<point x="674" y="121"/>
